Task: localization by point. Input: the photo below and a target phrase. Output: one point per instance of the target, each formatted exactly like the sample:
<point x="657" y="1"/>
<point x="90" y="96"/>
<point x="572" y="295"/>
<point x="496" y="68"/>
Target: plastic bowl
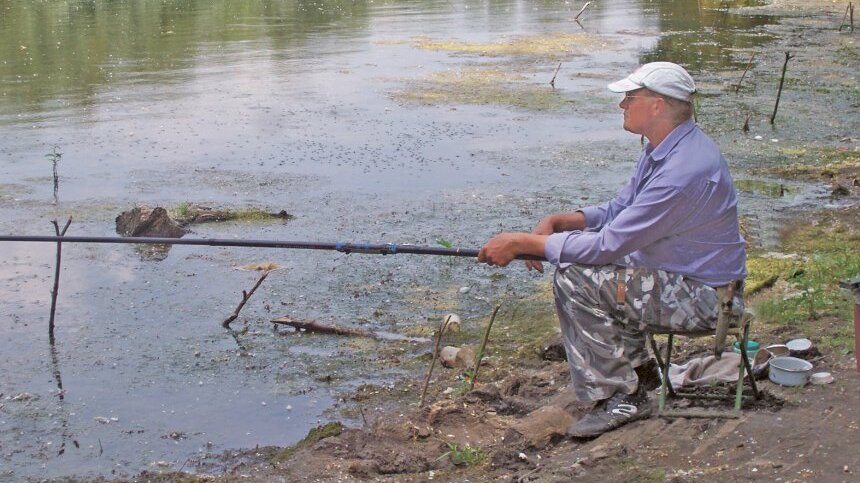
<point x="789" y="371"/>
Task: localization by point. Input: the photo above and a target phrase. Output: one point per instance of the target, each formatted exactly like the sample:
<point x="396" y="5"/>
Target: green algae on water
<point x="485" y="86"/>
<point x="545" y="46"/>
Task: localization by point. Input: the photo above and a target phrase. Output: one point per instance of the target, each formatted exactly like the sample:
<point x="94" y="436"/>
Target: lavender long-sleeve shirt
<point x="677" y="213"/>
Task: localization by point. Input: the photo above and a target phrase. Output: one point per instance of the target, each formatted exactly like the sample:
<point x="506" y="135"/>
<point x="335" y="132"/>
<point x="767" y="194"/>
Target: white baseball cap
<point x="663" y="78"/>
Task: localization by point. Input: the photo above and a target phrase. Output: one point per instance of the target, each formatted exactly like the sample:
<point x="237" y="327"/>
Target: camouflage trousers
<point x="605" y="340"/>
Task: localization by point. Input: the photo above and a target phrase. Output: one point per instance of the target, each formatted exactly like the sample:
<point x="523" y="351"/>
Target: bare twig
<point x="842" y="24"/>
<point x="788" y="57"/>
<point x="749" y="64"/>
<point x="245" y="297"/>
<point x="314" y="326"/>
<point x="56" y="288"/>
<point x="363" y="418"/>
<point x="433" y="362"/>
<point x="581" y="10"/>
<point x="483" y="346"/>
<point x="552" y="82"/>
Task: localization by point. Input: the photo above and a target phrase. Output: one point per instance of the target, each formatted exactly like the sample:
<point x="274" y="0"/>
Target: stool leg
<point x="666" y="384"/>
<point x="739" y="392"/>
<point x="746" y="361"/>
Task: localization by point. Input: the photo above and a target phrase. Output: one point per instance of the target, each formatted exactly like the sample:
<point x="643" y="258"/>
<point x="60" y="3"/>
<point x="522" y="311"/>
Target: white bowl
<point x="789" y="371"/>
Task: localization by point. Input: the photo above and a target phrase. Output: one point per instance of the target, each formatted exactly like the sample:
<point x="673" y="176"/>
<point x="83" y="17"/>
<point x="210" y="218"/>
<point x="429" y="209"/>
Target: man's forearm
<point x="567" y="221"/>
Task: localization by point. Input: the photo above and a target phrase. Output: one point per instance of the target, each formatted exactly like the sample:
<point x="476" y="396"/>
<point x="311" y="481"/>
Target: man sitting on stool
<point x="652" y="257"/>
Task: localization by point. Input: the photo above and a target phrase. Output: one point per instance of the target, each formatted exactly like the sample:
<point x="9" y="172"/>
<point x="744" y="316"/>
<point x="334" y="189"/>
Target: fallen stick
<point x="245" y="297"/>
<point x="433" y="362"/>
<point x="746" y="127"/>
<point x="483" y="346"/>
<point x="314" y="326"/>
<point x="788" y="57"/>
<point x="60" y="233"/>
<point x="749" y="64"/>
<point x="552" y="82"/>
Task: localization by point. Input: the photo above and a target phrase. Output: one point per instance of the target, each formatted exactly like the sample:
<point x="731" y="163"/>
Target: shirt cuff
<point x="555" y="244"/>
<point x="592" y="216"/>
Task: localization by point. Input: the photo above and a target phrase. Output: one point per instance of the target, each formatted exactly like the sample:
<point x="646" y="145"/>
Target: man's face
<point x="639" y="110"/>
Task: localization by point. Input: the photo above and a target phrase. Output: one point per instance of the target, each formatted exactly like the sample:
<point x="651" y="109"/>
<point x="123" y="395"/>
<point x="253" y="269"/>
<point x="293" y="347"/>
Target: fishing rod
<point x="343" y="247"/>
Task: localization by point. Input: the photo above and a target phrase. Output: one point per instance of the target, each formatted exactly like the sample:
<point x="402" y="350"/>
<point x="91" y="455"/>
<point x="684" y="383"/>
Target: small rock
<point x="101" y="419"/>
<point x="465" y="290"/>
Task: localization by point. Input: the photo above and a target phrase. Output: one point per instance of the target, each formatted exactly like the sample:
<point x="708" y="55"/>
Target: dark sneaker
<point x="611" y="413"/>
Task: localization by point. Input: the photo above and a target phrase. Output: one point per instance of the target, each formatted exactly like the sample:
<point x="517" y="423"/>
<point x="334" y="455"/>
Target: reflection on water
<point x="705" y="34"/>
<point x="63" y="51"/>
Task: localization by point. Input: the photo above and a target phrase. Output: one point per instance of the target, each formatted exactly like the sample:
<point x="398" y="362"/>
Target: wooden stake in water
<point x="56" y="288"/>
<point x="552" y="82"/>
<point x="581" y="10"/>
<point x="848" y="10"/>
<point x="749" y="64"/>
<point x="788" y="57"/>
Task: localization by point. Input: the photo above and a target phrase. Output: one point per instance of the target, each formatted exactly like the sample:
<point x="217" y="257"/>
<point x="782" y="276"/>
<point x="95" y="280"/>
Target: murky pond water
<point x="295" y="105"/>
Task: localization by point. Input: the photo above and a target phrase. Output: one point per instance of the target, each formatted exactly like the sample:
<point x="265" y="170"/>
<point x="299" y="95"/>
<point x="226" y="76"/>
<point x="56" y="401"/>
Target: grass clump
<point x="465" y="454"/>
<point x="314" y="436"/>
<point x="810" y="300"/>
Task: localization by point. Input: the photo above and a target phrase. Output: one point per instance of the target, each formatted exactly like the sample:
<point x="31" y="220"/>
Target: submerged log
<point x="314" y="326"/>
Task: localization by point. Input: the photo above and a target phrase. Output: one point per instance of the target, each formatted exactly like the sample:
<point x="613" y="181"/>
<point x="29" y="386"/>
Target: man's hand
<point x="544" y="227"/>
<point x="500" y="250"/>
<point x="504" y="247"/>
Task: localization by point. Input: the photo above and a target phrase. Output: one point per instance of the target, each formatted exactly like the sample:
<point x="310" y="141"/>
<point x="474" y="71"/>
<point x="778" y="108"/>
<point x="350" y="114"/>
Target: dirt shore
<point x="511" y="426"/>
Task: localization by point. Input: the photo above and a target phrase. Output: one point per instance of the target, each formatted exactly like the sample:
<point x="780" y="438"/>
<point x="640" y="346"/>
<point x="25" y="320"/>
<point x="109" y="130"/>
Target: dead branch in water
<point x="56" y="278"/>
<point x="552" y="82"/>
<point x="245" y="297"/>
<point x="314" y="326"/>
<point x="433" y="362"/>
<point x="788" y="57"/>
<point x="848" y="9"/>
<point x="581" y="10"/>
<point x="483" y="346"/>
<point x="749" y="64"/>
